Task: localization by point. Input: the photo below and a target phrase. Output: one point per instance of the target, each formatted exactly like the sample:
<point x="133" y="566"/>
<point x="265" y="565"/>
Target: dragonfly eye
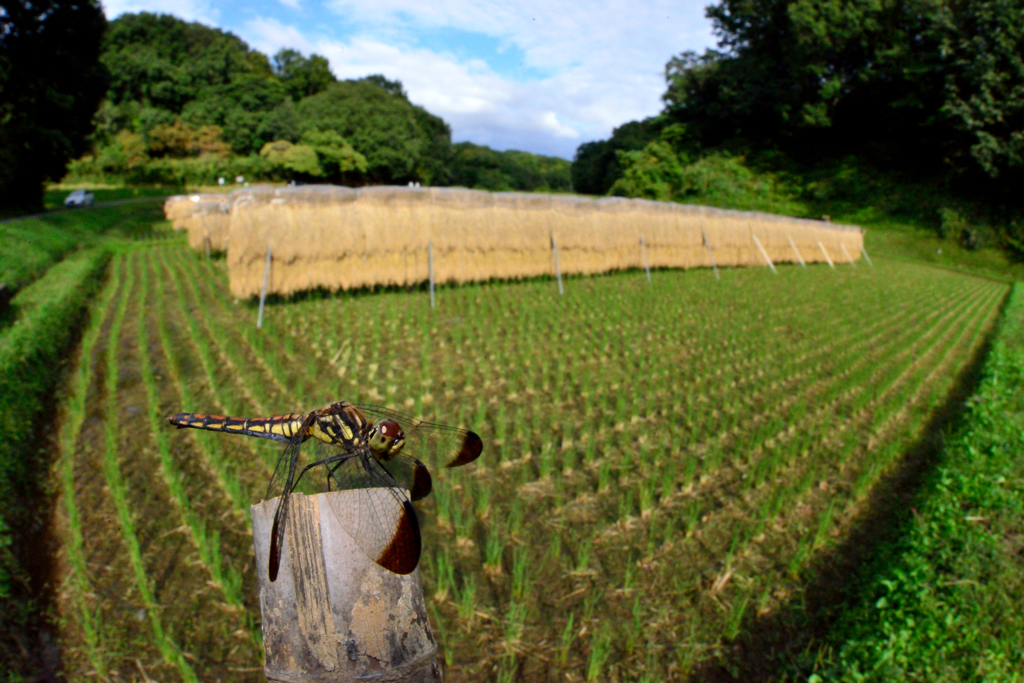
<point x="386" y="438"/>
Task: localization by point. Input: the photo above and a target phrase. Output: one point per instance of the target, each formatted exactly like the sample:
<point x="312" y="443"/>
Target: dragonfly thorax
<point x="386" y="439"/>
<point x="333" y="429"/>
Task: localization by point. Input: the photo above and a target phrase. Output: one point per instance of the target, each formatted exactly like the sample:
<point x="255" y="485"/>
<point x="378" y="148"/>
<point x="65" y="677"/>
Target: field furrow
<point x="219" y="532"/>
<point x="665" y="464"/>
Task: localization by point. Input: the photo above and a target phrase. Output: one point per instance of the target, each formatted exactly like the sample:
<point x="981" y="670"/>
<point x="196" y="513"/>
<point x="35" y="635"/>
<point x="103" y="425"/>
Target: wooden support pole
<point x="558" y="271"/>
<point x="827" y="257"/>
<point x="848" y="258"/>
<point x="711" y="256"/>
<point x="643" y="251"/>
<point x="430" y="267"/>
<point x="796" y="251"/>
<point x="333" y="615"/>
<point x="866" y="257"/>
<point x="764" y="253"/>
<point x="263" y="294"/>
<point x="207" y="242"/>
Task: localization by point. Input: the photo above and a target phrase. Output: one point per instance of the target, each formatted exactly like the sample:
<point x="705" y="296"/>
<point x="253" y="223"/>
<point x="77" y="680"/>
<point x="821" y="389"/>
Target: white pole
<point x="866" y="257"/>
<point x="643" y="250"/>
<point x="710" y="256"/>
<point x="558" y="272"/>
<point x="796" y="251"/>
<point x="827" y="258"/>
<point x="843" y="247"/>
<point x="430" y="267"/>
<point x="764" y="253"/>
<point x="263" y="294"/>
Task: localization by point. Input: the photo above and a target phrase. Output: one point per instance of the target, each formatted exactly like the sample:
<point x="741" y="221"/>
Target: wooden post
<point x="866" y="257"/>
<point x="430" y="266"/>
<point x="764" y="253"/>
<point x="796" y="251"/>
<point x="827" y="257"/>
<point x="843" y="247"/>
<point x="333" y="615"/>
<point x="558" y="271"/>
<point x="263" y="294"/>
<point x="711" y="256"/>
<point x="643" y="251"/>
<point x="207" y="241"/>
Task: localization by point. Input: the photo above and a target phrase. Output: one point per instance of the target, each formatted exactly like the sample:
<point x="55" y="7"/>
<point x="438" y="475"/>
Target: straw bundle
<point x="339" y="238"/>
<point x="208" y="223"/>
<point x="180" y="206"/>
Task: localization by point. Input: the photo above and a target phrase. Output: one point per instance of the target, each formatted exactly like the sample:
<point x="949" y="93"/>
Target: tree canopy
<point x="51" y="82"/>
<point x="930" y="87"/>
<point x="189" y="92"/>
<point x="180" y="102"/>
<point x="480" y="167"/>
<point x="913" y="84"/>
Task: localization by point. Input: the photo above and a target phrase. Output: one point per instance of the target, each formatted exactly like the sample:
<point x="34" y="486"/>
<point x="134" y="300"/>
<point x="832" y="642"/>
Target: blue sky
<point x="537" y="75"/>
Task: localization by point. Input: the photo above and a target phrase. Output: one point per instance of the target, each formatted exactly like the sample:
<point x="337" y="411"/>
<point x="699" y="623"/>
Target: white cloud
<point x="293" y="4"/>
<point x="551" y="123"/>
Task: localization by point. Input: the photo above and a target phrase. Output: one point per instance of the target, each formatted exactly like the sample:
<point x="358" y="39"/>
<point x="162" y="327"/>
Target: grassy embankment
<point x="942" y="600"/>
<point x="32" y="245"/>
<point x="55" y="263"/>
<point x="43" y="321"/>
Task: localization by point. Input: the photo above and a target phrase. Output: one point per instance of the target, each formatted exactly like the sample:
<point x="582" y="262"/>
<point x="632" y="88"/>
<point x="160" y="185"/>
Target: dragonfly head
<point x="386" y="439"/>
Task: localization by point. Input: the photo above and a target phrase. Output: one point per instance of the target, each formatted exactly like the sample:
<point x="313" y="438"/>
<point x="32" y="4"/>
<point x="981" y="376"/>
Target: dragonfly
<point x="356" y="447"/>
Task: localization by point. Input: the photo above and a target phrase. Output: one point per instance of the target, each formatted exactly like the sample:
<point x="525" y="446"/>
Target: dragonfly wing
<point x="440" y="445"/>
<point x="284" y="478"/>
<point x="379" y="517"/>
<point x="411" y="475"/>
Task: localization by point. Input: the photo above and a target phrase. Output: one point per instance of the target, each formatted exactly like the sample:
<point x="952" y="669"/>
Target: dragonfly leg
<point x="326" y="461"/>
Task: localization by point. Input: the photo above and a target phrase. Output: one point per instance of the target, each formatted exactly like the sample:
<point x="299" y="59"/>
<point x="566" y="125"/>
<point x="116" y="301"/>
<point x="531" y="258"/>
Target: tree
<point x="481" y="167"/>
<point x="398" y="138"/>
<point x="982" y="44"/>
<point x="51" y="83"/>
<point x="931" y="86"/>
<point x="321" y="155"/>
<point x="302" y="77"/>
<point x="164" y="69"/>
<point x="596" y="165"/>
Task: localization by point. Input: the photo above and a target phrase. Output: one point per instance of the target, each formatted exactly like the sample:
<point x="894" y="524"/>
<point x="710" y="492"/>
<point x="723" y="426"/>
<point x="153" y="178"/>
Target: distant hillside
<point x="476" y="166"/>
<point x="188" y="103"/>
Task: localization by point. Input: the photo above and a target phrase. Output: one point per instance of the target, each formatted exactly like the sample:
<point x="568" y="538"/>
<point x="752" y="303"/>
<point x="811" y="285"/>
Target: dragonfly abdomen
<point x="277" y="428"/>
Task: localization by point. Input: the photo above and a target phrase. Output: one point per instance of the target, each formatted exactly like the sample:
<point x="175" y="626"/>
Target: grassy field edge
<point x="32" y="351"/>
<point x="943" y="600"/>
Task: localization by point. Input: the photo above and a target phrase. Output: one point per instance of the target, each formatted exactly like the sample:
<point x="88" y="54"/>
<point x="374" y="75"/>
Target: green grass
<point x="38" y="243"/>
<point x="43" y="323"/>
<point x="942" y="602"/>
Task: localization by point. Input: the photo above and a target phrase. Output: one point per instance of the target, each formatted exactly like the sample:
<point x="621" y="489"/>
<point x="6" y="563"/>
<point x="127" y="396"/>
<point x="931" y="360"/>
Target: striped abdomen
<point x="278" y="428"/>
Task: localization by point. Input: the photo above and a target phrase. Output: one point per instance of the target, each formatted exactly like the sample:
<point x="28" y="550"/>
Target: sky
<point x="542" y="76"/>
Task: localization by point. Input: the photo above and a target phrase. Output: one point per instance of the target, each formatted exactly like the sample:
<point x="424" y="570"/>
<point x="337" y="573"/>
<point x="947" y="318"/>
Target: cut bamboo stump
<point x="334" y="615"/>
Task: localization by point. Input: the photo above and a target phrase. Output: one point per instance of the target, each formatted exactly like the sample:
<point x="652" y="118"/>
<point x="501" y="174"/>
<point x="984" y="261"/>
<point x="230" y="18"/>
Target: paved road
<point x="119" y="202"/>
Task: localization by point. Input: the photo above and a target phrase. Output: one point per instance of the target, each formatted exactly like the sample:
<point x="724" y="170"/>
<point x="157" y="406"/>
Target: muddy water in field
<point x="662" y="463"/>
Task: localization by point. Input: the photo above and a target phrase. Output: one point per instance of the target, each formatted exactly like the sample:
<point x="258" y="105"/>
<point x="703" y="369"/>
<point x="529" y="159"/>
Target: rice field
<point x="663" y="462"/>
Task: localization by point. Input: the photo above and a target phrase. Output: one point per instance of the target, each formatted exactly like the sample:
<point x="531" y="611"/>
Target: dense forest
<point x="925" y="86"/>
<point x="838" y="96"/>
<point x="183" y="103"/>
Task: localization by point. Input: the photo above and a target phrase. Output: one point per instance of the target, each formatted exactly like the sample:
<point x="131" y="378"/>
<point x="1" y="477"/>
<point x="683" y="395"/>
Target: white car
<point x="79" y="198"/>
